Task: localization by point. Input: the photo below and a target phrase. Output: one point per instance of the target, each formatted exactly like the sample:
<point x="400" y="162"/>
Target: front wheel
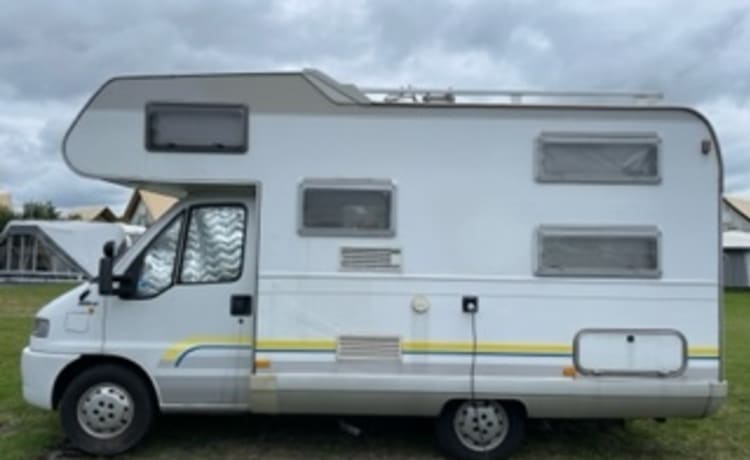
<point x="480" y="429"/>
<point x="106" y="410"/>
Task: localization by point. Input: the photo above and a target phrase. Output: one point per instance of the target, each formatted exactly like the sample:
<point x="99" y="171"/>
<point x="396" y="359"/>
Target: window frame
<point x="135" y="269"/>
<point x="183" y="242"/>
<point x="597" y="138"/>
<point x="645" y="231"/>
<point x="374" y="185"/>
<point x="152" y="108"/>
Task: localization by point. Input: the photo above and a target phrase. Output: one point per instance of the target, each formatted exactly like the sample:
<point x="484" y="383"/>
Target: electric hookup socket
<point x="470" y="304"/>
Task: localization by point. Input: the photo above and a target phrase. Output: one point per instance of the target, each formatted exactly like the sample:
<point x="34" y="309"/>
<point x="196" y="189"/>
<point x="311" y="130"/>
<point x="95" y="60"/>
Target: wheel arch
<point x="518" y="404"/>
<point x="88" y="361"/>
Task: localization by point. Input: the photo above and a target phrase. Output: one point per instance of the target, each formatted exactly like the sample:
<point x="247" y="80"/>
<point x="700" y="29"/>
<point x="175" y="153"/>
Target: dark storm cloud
<point x="54" y="54"/>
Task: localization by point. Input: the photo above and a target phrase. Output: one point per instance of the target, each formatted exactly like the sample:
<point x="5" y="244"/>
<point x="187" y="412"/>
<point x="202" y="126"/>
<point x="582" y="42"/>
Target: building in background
<point x="736" y="247"/>
<point x="735" y="214"/>
<point x="145" y="207"/>
<point x="93" y="214"/>
<point x="735" y="223"/>
<point x="5" y="200"/>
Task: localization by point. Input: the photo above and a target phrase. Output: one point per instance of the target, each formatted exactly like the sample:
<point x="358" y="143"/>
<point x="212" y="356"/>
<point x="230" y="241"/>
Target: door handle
<point x="241" y="305"/>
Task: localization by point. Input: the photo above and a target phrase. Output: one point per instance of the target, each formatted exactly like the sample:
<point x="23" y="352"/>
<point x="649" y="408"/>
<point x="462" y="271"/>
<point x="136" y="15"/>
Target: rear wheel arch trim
<point x="519" y="403"/>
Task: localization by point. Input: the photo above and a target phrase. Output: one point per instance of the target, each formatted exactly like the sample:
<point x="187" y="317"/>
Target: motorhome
<point x="482" y="257"/>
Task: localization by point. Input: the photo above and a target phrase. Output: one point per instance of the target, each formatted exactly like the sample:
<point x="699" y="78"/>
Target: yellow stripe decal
<point x="174" y="351"/>
<point x="703" y="352"/>
<point x="297" y="344"/>
<point x="485" y="347"/>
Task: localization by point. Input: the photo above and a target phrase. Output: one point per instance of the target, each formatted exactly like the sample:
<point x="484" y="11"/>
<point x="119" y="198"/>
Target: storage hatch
<point x="638" y="352"/>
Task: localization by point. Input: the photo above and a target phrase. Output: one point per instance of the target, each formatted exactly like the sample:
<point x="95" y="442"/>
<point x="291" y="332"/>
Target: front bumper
<point x="39" y="371"/>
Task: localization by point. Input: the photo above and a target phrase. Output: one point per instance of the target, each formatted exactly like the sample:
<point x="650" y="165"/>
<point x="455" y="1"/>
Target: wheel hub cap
<point x="105" y="411"/>
<point x="481" y="425"/>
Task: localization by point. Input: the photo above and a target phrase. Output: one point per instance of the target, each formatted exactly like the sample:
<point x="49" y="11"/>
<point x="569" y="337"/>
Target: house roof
<point x="741" y="205"/>
<point x="92" y="213"/>
<point x="5" y="199"/>
<point x="156" y="204"/>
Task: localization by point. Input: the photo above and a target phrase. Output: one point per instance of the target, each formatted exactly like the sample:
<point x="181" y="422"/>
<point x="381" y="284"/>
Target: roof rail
<point x="454" y="96"/>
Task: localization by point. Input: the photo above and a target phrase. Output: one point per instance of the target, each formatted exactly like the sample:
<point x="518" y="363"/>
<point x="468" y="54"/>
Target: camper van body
<point x="334" y="254"/>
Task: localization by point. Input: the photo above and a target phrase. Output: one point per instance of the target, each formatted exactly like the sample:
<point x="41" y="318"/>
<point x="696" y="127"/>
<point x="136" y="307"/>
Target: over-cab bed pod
<point x="133" y="127"/>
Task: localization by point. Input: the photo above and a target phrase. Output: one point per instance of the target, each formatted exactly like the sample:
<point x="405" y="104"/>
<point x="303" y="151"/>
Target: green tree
<point x="39" y="210"/>
<point x="6" y="215"/>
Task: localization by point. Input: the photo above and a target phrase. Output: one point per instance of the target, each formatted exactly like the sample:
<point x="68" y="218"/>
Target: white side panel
<point x="469" y="183"/>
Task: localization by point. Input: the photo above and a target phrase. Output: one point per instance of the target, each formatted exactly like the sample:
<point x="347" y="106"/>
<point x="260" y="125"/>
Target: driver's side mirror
<point x="105" y="269"/>
<point x="109" y="249"/>
<point x="107" y="280"/>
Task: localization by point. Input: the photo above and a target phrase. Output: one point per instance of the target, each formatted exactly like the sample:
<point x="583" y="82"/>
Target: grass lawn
<point x="29" y="433"/>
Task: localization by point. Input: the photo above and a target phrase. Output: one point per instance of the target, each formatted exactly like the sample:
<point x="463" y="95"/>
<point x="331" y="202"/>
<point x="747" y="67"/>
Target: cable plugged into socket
<point x="470" y="304"/>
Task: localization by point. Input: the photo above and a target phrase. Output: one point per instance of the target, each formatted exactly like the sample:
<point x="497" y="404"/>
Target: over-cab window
<point x="213" y="245"/>
<point x="205" y="128"/>
<point x="598" y="158"/>
<point x="598" y="251"/>
<point x="347" y="208"/>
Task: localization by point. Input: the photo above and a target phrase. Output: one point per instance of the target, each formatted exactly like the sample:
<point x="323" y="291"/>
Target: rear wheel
<point x="106" y="410"/>
<point x="481" y="429"/>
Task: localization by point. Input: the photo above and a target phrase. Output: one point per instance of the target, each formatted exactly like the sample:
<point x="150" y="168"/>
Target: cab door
<point x="185" y="311"/>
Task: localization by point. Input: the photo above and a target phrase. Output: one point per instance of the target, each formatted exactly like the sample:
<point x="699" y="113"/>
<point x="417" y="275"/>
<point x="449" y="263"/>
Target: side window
<point x="214" y="245"/>
<point x="595" y="158"/>
<point x="204" y="128"/>
<point x="598" y="251"/>
<point x="347" y="209"/>
<point x="158" y="261"/>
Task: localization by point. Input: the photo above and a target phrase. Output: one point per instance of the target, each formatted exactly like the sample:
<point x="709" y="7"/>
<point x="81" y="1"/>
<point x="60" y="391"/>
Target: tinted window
<point x="196" y="128"/>
<point x="598" y="252"/>
<point x="343" y="211"/>
<point x="578" y="159"/>
<point x="158" y="261"/>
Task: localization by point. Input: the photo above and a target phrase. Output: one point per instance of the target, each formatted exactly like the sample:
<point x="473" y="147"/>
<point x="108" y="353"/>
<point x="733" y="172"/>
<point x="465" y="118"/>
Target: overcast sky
<point x="54" y="54"/>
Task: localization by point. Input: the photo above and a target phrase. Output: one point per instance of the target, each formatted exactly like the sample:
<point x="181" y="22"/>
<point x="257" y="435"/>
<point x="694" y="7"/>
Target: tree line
<point x="37" y="210"/>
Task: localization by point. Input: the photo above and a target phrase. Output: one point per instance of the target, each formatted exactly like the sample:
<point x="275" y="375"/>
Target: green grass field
<point x="29" y="433"/>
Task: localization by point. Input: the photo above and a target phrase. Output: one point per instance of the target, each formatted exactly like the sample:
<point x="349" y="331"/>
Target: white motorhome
<point x="418" y="252"/>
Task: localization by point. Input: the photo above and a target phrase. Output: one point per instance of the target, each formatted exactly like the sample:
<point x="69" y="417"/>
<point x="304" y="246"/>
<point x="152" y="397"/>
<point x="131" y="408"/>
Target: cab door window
<point x="213" y="245"/>
<point x="158" y="261"/>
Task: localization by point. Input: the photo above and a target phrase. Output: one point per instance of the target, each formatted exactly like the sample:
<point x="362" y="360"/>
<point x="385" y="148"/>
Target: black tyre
<point x="106" y="410"/>
<point x="481" y="429"/>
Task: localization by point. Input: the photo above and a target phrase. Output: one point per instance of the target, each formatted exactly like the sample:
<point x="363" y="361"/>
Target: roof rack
<point x="457" y="96"/>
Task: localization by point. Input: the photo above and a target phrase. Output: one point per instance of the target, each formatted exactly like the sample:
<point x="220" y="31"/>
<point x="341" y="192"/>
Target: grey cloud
<point x="31" y="165"/>
<point x="696" y="54"/>
<point x="70" y="50"/>
<point x="731" y="120"/>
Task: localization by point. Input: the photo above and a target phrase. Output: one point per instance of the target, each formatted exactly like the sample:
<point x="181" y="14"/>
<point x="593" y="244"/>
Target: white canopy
<point x="736" y="240"/>
<point x="81" y="241"/>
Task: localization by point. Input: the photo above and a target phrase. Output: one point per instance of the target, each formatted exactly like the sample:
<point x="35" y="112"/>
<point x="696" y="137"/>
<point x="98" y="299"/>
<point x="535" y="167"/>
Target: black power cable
<point x="473" y="370"/>
<point x="473" y="357"/>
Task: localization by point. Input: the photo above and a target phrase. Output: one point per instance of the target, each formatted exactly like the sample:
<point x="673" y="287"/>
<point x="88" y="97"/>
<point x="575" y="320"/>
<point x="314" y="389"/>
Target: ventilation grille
<point x="368" y="347"/>
<point x="371" y="259"/>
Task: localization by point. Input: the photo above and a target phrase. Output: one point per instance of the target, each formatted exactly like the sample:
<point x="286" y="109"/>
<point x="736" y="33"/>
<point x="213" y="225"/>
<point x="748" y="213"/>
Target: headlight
<point x="41" y="328"/>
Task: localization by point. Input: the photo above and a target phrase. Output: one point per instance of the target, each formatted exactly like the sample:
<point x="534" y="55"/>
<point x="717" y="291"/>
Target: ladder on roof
<point x="417" y="95"/>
